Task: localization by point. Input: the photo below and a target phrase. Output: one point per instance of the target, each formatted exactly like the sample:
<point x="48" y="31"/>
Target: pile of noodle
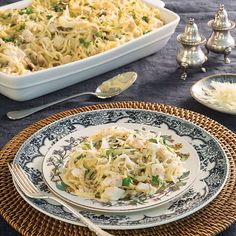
<point x="50" y="33"/>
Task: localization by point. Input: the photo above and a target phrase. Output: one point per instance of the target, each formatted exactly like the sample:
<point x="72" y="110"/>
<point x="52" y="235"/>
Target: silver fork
<point x="30" y="190"/>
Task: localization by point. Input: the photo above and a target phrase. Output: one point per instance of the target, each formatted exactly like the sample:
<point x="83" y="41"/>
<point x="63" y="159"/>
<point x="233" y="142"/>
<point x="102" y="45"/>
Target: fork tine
<point x="15" y="177"/>
<point x="25" y="177"/>
<point x="20" y="179"/>
<point x="23" y="182"/>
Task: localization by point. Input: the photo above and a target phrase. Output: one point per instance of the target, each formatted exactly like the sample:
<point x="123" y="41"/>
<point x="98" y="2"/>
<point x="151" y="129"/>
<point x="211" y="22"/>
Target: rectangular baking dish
<point x="36" y="84"/>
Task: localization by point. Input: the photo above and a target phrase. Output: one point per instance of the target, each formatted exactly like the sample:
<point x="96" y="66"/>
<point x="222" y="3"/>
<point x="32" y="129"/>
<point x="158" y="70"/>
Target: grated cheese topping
<point x="222" y="95"/>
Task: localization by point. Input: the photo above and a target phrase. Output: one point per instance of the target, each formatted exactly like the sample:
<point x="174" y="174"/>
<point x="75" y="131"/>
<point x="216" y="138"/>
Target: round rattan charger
<point x="214" y="218"/>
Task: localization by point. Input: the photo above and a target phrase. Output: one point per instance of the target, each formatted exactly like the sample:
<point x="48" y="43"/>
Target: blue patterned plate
<point x="207" y="185"/>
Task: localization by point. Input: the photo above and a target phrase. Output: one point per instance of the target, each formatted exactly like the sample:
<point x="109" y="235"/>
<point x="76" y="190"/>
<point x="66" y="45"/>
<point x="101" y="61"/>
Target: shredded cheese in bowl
<point x="221" y="94"/>
<point x="118" y="163"/>
<point x="51" y="32"/>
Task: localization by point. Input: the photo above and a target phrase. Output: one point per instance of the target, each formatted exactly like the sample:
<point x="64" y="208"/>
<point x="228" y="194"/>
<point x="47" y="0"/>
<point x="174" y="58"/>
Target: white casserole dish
<point x="35" y="84"/>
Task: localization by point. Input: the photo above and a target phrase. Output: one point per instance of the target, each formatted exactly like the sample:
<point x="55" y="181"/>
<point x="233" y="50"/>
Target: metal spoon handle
<point x="16" y="115"/>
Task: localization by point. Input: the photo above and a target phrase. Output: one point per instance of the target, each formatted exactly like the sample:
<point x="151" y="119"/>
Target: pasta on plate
<point x="50" y="32"/>
<point x="119" y="163"/>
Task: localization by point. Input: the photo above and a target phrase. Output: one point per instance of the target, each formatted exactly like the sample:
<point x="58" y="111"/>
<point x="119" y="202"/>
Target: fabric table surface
<point x="158" y="81"/>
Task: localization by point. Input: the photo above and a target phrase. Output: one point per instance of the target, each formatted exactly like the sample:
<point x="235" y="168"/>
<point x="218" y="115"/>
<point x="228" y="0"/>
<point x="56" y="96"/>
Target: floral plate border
<point x="212" y="177"/>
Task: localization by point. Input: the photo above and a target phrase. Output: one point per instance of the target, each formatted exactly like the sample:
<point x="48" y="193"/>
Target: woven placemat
<point x="214" y="218"/>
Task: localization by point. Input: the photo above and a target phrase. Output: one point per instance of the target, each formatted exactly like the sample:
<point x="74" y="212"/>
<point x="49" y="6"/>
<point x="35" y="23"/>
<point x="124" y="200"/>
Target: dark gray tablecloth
<point x="157" y="82"/>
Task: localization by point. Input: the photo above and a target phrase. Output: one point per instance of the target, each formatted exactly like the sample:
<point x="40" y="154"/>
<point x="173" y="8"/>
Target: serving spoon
<point x="107" y="89"/>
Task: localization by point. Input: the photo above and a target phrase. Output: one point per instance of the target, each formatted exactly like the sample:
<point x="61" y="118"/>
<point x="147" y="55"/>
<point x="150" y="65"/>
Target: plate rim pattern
<point x="165" y="114"/>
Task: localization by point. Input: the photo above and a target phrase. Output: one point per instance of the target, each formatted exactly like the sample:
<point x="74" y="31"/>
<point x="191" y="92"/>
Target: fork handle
<point x="97" y="230"/>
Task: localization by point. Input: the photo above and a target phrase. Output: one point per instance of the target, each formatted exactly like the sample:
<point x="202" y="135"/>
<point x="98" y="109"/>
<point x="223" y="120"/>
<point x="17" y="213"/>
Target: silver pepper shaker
<point x="221" y="41"/>
<point x="190" y="55"/>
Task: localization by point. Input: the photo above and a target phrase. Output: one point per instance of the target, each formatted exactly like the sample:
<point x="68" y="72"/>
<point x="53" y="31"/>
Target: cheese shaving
<point x="222" y="95"/>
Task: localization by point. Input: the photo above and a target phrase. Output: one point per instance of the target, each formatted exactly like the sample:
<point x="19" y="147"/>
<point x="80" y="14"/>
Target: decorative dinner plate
<point x="207" y="185"/>
<point x="57" y="157"/>
<point x="197" y="90"/>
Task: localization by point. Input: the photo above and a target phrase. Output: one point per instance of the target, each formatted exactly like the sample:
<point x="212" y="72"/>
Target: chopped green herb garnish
<point x="8" y="40"/>
<point x="152" y="140"/>
<point x="118" y="36"/>
<point x="126" y="181"/>
<point x="22" y="27"/>
<point x="7" y="16"/>
<point x="166" y="144"/>
<point x="61" y="6"/>
<point x="49" y="17"/>
<point x="137" y="131"/>
<point x="99" y="34"/>
<point x="156" y="180"/>
<point x="110" y="152"/>
<point x="97" y="144"/>
<point x="82" y="40"/>
<point x="86" y="172"/>
<point x="80" y="156"/>
<point x="87" y="145"/>
<point x="145" y="18"/>
<point x="133" y="14"/>
<point x="84" y="43"/>
<point x="27" y="11"/>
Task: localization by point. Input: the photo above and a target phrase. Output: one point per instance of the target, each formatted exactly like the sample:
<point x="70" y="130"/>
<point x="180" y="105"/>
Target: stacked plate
<point x="207" y="169"/>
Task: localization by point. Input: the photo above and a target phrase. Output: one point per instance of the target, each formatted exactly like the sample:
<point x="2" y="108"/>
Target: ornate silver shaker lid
<point x="221" y="21"/>
<point x="190" y="55"/>
<point x="191" y="34"/>
<point x="221" y="41"/>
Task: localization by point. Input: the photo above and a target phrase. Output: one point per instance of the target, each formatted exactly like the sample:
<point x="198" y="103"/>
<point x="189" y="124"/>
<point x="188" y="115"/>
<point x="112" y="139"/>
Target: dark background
<point x="158" y="81"/>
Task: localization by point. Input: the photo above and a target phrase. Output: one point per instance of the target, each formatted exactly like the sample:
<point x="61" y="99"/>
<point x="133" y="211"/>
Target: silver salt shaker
<point x="221" y="41"/>
<point x="190" y="54"/>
